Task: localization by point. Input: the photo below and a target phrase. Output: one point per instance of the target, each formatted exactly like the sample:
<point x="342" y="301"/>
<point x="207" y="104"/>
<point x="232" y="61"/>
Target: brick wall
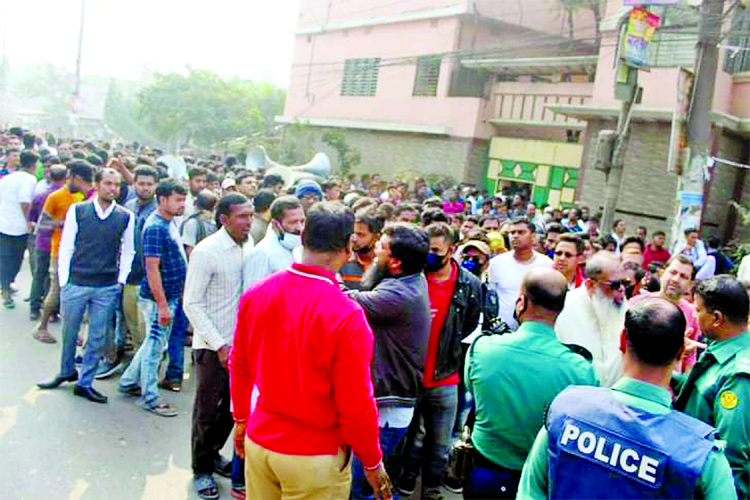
<point x="647" y="194"/>
<point x="391" y="154"/>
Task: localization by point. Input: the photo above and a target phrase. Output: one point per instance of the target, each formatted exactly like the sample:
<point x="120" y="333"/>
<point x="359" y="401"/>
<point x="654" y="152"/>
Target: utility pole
<point x="691" y="180"/>
<point x="80" y="50"/>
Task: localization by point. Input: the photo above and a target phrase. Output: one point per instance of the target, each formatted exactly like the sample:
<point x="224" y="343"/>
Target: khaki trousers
<point x="270" y="475"/>
<point x="134" y="321"/>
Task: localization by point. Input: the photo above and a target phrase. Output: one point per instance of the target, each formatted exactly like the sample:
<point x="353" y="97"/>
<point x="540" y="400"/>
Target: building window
<point x="737" y="58"/>
<point x="360" y="77"/>
<point x="428" y="74"/>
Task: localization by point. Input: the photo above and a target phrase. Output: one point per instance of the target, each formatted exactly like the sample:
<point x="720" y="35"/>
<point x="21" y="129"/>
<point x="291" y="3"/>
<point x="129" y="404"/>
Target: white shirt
<point x="506" y="275"/>
<point x="15" y="189"/>
<point x="267" y="258"/>
<point x="68" y="242"/>
<point x="213" y="286"/>
<point x="577" y="324"/>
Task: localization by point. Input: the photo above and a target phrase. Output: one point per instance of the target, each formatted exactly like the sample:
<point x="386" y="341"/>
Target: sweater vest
<point x="96" y="258"/>
<point x="601" y="448"/>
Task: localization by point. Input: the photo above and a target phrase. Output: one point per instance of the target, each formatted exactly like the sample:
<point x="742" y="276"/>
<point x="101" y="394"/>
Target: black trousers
<point x="40" y="283"/>
<point x="12" y="249"/>
<point x="212" y="418"/>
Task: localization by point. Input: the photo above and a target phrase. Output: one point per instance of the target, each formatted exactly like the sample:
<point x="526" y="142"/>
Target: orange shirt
<point x="57" y="206"/>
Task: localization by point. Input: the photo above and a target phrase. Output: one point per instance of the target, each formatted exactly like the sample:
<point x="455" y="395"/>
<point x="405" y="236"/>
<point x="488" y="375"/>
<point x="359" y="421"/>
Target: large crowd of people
<point x="364" y="338"/>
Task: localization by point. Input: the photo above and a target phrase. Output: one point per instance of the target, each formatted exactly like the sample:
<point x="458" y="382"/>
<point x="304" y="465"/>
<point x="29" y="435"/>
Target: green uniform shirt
<point x="720" y="396"/>
<point x="513" y="379"/>
<point x="716" y="476"/>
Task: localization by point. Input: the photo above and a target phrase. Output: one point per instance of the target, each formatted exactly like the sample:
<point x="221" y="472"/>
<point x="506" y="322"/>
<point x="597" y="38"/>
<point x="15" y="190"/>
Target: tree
<point x="571" y="7"/>
<point x="348" y="156"/>
<point x="207" y="110"/>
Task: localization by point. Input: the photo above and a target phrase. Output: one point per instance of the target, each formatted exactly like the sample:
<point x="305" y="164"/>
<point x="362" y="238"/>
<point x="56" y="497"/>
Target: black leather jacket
<point x="462" y="319"/>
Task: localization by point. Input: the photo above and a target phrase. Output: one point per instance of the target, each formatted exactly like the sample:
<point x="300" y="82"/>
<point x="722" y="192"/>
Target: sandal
<point x="162" y="409"/>
<point x="205" y="486"/>
<point x="44" y="337"/>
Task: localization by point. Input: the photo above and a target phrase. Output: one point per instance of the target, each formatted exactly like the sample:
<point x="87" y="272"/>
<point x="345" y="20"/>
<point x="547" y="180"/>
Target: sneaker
<point x="406" y="485"/>
<point x="34" y="315"/>
<point x="106" y="370"/>
<point x="161" y="409"/>
<point x="9" y="304"/>
<point x="452" y="484"/>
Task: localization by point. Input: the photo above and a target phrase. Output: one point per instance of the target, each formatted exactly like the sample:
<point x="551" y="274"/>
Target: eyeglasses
<point x="617" y="284"/>
<point x="567" y="255"/>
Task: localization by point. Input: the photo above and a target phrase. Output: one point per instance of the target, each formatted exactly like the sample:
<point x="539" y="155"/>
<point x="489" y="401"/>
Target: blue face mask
<point x="435" y="262"/>
<point x="470" y="265"/>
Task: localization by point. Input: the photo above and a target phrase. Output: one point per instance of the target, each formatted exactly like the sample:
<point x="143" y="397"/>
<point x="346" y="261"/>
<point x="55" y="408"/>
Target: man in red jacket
<point x="300" y="375"/>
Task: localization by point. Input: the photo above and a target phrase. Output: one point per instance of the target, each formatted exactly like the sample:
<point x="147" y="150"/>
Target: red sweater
<point x="652" y="254"/>
<point x="306" y="349"/>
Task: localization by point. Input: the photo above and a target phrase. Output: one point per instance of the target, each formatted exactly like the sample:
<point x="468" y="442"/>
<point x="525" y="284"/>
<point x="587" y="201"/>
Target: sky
<point x="252" y="39"/>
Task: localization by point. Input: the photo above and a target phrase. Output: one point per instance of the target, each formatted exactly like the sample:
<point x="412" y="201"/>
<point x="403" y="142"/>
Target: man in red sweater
<point x="300" y="375"/>
<point x="655" y="251"/>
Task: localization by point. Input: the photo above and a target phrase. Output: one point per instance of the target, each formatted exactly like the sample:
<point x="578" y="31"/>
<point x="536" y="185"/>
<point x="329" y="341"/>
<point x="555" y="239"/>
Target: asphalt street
<point x="54" y="445"/>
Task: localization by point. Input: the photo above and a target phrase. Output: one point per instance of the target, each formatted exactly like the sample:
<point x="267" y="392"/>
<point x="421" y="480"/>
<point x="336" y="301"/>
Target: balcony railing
<point x="522" y="103"/>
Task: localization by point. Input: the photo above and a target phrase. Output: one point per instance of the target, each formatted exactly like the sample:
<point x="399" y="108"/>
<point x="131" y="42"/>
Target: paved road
<point x="54" y="445"/>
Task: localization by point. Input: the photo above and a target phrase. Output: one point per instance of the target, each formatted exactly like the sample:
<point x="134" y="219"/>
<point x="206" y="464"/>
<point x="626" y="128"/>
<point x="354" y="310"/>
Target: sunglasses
<point x="617" y="284"/>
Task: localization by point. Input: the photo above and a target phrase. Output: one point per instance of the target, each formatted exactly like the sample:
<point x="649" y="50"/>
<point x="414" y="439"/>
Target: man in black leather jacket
<point x="457" y="301"/>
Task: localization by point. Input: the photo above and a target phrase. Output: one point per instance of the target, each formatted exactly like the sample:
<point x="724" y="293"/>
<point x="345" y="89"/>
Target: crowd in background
<point x="212" y="256"/>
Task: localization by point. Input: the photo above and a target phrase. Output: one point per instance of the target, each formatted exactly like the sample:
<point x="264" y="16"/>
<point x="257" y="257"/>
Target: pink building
<point x="500" y="94"/>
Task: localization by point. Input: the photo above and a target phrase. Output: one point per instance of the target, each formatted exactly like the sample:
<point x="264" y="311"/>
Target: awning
<point x="536" y="65"/>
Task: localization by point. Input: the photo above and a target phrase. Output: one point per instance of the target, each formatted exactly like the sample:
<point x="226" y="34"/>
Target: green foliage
<point x="204" y="109"/>
<point x="297" y="146"/>
<point x="121" y="115"/>
<point x="349" y="157"/>
<point x="48" y="82"/>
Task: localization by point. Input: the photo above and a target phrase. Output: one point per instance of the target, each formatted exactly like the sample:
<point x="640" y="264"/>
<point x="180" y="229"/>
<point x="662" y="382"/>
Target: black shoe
<point x="406" y="485"/>
<point x="453" y="484"/>
<point x="54" y="318"/>
<point x="35" y="315"/>
<point x="223" y="467"/>
<point x="55" y="382"/>
<point x="89" y="393"/>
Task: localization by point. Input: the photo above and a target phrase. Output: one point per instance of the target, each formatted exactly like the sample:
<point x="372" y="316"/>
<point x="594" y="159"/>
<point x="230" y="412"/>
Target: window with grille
<point x="360" y="77"/>
<point x="676" y="38"/>
<point x="428" y="74"/>
<point x="737" y="58"/>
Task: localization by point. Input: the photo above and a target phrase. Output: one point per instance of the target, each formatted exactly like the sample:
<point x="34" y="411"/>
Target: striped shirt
<point x="212" y="289"/>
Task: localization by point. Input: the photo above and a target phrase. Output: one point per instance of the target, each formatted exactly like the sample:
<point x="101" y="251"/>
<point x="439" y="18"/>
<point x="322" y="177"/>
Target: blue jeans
<point x="436" y="409"/>
<point x="100" y="302"/>
<point x="144" y="368"/>
<point x="176" y="349"/>
<point x="390" y="438"/>
<point x="490" y="481"/>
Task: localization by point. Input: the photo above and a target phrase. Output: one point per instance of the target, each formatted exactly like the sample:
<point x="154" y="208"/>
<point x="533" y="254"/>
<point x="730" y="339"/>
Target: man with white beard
<point x="594" y="314"/>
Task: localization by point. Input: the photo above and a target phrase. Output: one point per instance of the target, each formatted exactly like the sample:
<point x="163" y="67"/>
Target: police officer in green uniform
<point x="626" y="442"/>
<point x="513" y="378"/>
<point x="717" y="390"/>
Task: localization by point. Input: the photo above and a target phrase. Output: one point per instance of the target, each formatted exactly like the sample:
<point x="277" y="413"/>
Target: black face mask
<point x="364" y="250"/>
<point x="435" y="262"/>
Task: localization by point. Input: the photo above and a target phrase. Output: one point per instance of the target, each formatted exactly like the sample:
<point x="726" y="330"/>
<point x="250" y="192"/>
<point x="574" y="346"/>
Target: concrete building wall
<point x="647" y="194"/>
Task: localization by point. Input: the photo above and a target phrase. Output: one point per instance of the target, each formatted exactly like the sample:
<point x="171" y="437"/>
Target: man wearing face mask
<point x="367" y="228"/>
<point x="396" y="303"/>
<point x="455" y="303"/>
<point x="513" y="378"/>
<point x="274" y="252"/>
